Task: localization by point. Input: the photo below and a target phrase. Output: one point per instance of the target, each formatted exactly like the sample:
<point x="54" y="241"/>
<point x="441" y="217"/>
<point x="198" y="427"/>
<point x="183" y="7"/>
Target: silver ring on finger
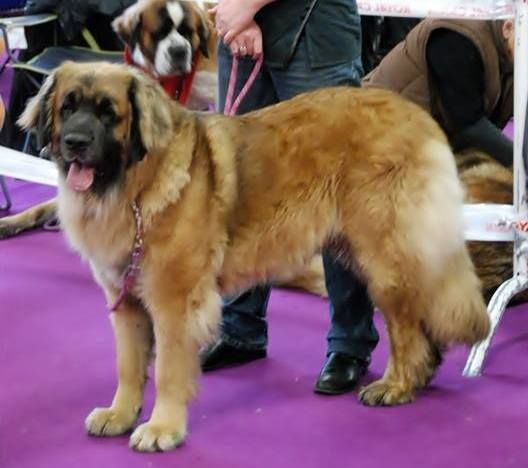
<point x="243" y="49"/>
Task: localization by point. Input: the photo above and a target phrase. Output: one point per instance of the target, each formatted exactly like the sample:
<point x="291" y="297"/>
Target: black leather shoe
<point x="222" y="354"/>
<point x="340" y="374"/>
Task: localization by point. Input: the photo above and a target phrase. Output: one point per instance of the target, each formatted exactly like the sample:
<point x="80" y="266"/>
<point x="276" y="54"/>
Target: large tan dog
<point x="216" y="204"/>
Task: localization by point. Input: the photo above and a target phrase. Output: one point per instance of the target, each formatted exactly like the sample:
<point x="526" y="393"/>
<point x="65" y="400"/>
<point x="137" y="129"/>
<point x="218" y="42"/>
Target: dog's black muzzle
<point x="82" y="138"/>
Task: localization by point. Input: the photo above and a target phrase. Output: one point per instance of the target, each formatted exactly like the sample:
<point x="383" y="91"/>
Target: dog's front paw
<point x="385" y="393"/>
<point x="109" y="422"/>
<point x="152" y="437"/>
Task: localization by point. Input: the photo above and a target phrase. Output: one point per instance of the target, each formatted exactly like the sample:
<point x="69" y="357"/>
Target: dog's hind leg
<point x="412" y="359"/>
<point x="426" y="309"/>
<point x="428" y="302"/>
<point x="419" y="271"/>
<point x="32" y="218"/>
<point x="133" y="335"/>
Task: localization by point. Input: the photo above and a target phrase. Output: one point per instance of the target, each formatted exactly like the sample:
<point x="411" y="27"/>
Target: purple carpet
<point x="57" y="363"/>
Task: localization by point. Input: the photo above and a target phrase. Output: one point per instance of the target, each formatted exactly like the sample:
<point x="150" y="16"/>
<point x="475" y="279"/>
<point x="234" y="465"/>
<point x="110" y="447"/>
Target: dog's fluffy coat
<point x="484" y="181"/>
<point x="229" y="202"/>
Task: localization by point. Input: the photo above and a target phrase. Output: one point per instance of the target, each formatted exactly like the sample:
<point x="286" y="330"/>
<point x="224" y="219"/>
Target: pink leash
<point x="132" y="271"/>
<point x="231" y="107"/>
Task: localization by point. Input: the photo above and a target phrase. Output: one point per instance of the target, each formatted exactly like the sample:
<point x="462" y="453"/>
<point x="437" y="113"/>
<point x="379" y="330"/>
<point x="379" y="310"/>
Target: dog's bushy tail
<point x="459" y="313"/>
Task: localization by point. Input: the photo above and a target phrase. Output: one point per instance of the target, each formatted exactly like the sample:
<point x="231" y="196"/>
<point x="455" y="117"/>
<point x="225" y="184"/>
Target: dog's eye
<point x="68" y="105"/>
<point x="165" y="26"/>
<point x="106" y="111"/>
<point x="185" y="30"/>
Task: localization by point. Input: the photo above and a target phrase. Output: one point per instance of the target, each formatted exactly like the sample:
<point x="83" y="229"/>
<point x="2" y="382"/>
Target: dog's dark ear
<point x="151" y="125"/>
<point x="203" y="34"/>
<point x="128" y="25"/>
<point x="136" y="148"/>
<point x="204" y="28"/>
<point x="38" y="113"/>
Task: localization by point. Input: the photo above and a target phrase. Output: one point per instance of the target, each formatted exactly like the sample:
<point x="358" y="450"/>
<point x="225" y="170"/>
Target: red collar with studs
<point x="178" y="87"/>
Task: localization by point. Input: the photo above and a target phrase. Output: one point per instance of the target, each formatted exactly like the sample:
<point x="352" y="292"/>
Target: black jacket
<point x="333" y="31"/>
<point x="73" y="14"/>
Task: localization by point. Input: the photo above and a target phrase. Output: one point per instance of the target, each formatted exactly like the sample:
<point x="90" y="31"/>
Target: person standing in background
<point x="307" y="44"/>
<point x="461" y="71"/>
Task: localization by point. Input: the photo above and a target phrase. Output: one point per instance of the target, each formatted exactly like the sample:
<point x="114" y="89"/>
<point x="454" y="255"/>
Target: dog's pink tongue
<point x="80" y="178"/>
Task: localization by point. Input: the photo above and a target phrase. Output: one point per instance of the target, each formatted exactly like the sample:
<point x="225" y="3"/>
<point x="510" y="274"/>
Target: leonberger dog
<point x="201" y="205"/>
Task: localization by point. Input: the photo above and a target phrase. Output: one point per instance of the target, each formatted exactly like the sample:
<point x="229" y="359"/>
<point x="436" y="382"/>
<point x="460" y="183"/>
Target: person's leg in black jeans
<point x="352" y="336"/>
<point x="244" y="333"/>
<point x="244" y="320"/>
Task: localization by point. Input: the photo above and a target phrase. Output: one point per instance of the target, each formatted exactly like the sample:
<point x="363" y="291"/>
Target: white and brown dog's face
<point x="164" y="35"/>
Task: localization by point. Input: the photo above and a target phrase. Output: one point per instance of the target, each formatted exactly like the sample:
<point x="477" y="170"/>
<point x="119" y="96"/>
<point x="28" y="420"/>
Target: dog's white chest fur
<point x="84" y="222"/>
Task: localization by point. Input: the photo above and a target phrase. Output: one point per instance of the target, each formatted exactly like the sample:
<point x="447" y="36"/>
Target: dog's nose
<point x="178" y="53"/>
<point x="78" y="142"/>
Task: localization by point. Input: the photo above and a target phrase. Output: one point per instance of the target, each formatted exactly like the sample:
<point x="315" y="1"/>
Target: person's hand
<point x="234" y="16"/>
<point x="248" y="42"/>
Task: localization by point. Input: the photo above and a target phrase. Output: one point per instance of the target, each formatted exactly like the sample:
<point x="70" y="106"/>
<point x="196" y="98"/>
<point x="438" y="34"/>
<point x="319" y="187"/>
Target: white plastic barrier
<point x="519" y="281"/>
<point x="468" y="9"/>
<point x="484" y="222"/>
<point x="21" y="166"/>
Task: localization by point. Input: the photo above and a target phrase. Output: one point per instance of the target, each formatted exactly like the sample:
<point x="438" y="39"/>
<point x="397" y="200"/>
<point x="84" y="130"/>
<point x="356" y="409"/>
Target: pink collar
<point x="132" y="270"/>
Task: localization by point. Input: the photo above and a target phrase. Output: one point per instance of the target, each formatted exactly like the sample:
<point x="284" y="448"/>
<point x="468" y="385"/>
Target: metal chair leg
<point x="496" y="307"/>
<point x="519" y="282"/>
<point x="27" y="142"/>
<point x="4" y="65"/>
<point x="5" y="191"/>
